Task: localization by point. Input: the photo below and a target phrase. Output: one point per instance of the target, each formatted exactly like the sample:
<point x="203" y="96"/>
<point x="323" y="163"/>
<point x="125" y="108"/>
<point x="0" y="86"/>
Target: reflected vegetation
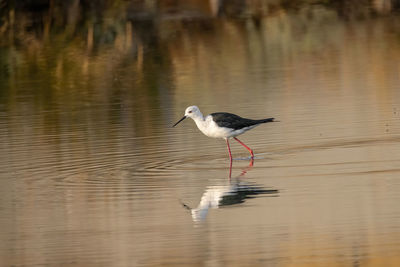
<point x="58" y="55"/>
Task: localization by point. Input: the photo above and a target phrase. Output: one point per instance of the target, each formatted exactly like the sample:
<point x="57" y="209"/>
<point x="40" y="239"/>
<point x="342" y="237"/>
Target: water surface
<point x="93" y="174"/>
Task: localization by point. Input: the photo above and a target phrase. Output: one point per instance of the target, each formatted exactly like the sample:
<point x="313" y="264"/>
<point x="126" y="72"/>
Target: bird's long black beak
<point x="184" y="117"/>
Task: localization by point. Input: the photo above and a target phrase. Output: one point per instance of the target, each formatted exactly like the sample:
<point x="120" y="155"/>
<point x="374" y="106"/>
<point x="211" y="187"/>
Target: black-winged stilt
<point x="222" y="125"/>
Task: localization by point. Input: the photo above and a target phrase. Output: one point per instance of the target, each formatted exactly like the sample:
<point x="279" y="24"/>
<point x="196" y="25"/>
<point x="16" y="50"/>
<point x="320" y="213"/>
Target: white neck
<point x="199" y="119"/>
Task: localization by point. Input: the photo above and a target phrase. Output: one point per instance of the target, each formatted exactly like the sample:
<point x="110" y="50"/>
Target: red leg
<point x="248" y="148"/>
<point x="229" y="149"/>
<point x="248" y="167"/>
<point x="230" y="158"/>
<point x="230" y="169"/>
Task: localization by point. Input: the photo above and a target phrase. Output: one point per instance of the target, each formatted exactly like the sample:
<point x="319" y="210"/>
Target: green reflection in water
<point x="115" y="59"/>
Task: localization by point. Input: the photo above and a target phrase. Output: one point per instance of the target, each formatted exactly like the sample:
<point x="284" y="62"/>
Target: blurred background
<point x="92" y="174"/>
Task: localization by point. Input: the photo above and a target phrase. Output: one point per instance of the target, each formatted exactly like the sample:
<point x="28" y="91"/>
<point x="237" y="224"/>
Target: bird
<point x="223" y="125"/>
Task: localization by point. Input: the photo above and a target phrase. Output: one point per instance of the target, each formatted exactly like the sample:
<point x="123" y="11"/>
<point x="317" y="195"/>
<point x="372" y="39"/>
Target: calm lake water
<point x="93" y="174"/>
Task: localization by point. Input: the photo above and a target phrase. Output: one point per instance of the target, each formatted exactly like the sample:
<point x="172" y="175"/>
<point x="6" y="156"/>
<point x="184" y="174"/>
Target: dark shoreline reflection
<point x="64" y="62"/>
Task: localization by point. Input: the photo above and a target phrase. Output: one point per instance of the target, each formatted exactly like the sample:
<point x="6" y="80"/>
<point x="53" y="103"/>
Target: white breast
<point x="211" y="129"/>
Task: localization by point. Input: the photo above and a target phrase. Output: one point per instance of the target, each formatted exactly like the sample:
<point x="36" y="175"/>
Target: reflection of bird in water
<point x="224" y="195"/>
<point x="223" y="125"/>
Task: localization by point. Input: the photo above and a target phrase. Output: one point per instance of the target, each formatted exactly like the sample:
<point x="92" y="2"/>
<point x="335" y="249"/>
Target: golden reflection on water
<point x="91" y="173"/>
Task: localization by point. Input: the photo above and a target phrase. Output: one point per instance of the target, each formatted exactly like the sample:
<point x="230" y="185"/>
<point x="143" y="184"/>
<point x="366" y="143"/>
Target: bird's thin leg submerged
<point x="229" y="149"/>
<point x="248" y="148"/>
<point x="230" y="158"/>
<point x="248" y="168"/>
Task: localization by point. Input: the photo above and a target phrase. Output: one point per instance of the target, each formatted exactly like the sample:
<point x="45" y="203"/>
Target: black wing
<point x="235" y="122"/>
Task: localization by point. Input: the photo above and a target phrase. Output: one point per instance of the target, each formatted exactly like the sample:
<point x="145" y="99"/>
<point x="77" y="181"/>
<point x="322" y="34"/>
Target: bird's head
<point x="191" y="112"/>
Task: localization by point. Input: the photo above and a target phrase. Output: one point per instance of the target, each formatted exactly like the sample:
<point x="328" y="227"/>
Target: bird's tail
<point x="267" y="120"/>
